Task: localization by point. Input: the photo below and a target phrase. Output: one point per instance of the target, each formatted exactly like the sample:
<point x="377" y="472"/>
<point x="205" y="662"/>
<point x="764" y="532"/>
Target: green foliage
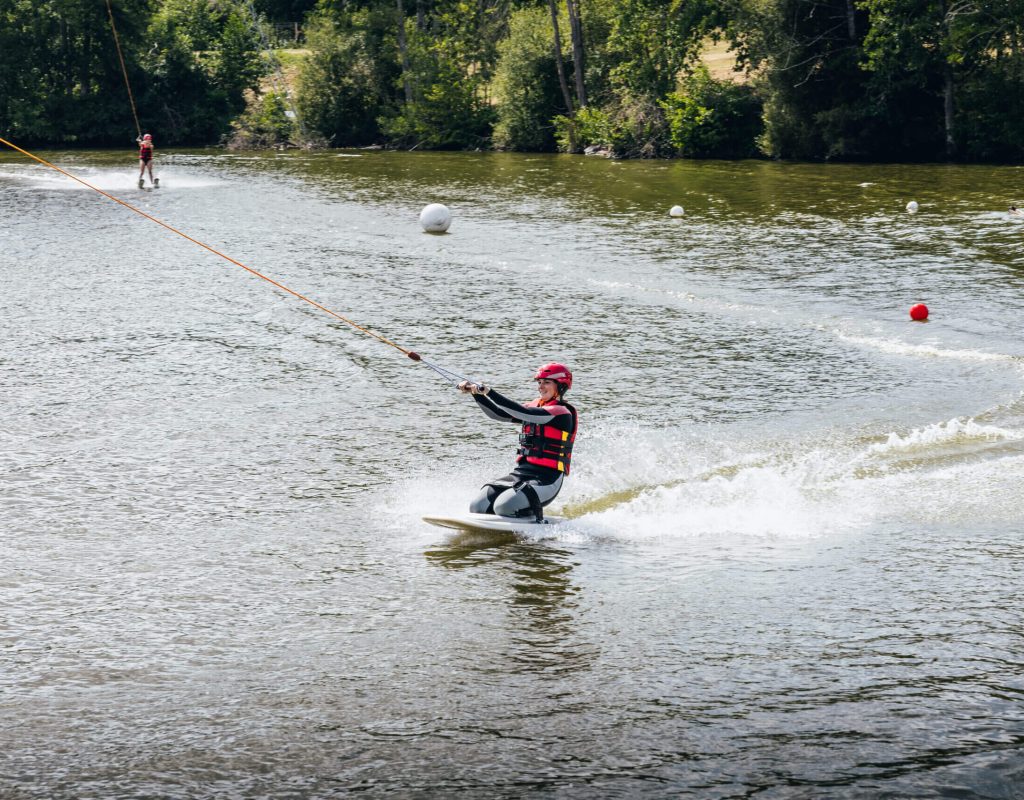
<point x="526" y="84"/>
<point x="449" y="71"/>
<point x="652" y="41"/>
<point x="203" y="59"/>
<point x="905" y="59"/>
<point x="60" y="78"/>
<point x="994" y="128"/>
<point x="885" y="79"/>
<point x="264" y="124"/>
<point x="921" y="52"/>
<point x="345" y="84"/>
<point x="235" y="64"/>
<point x="189" y="65"/>
<point x="834" y="79"/>
<point x="811" y="83"/>
<point x="713" y="119"/>
<point x="635" y="128"/>
<point x="590" y="127"/>
<point x="636" y="51"/>
<point x="448" y="114"/>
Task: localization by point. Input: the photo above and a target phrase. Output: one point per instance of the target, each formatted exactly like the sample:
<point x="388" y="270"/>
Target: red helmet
<point x="555" y="372"/>
<point x="148" y="136"/>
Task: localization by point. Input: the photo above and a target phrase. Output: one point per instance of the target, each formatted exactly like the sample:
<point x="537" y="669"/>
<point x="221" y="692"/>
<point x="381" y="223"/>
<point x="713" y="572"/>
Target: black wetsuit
<point x="531" y="485"/>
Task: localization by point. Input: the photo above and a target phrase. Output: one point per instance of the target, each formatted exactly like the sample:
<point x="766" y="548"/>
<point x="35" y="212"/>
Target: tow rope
<point x="124" y="69"/>
<point x="447" y="374"/>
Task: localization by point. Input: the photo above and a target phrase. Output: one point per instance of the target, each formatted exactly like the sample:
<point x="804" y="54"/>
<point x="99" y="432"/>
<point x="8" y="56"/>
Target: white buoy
<point x="912" y="206"/>
<point x="676" y="211"/>
<point x="435" y="218"/>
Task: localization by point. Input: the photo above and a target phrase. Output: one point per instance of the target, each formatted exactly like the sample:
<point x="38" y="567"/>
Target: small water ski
<point x="492" y="522"/>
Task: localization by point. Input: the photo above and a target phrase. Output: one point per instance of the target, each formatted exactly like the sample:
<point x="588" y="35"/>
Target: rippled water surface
<point x="794" y="559"/>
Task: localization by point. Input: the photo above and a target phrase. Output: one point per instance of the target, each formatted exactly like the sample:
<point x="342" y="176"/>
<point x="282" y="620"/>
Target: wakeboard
<point x="492" y="522"/>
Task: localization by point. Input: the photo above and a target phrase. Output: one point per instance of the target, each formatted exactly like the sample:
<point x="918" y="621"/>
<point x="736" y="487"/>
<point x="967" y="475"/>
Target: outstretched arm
<point x="497" y="406"/>
<point x="480" y="394"/>
<point x="491" y="410"/>
<point x="518" y="412"/>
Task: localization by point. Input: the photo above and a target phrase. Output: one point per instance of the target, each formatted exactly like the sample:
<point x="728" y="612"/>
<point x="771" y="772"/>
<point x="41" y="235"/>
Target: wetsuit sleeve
<point x="490" y="409"/>
<point x="511" y="410"/>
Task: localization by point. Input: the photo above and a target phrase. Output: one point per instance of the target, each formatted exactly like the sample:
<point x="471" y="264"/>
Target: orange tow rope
<point x="124" y="69"/>
<point x="281" y="286"/>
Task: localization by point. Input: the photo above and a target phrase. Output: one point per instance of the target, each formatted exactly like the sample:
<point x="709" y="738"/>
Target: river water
<point x="794" y="558"/>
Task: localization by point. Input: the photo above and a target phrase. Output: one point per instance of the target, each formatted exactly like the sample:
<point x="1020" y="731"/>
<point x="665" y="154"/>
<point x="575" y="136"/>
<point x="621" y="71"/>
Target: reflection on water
<point x="541" y="599"/>
<point x="468" y="549"/>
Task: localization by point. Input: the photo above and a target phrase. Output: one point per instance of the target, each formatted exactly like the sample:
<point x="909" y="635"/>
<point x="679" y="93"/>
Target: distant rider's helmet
<point x="556" y="372"/>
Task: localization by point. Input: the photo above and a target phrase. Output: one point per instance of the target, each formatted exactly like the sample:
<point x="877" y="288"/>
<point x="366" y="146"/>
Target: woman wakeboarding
<point x="146" y="160"/>
<point x="545" y="444"/>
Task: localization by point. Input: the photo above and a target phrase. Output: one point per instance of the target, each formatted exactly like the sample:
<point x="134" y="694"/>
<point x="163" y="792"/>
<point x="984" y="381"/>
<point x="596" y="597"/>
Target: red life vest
<point x="146" y="151"/>
<point x="547" y="445"/>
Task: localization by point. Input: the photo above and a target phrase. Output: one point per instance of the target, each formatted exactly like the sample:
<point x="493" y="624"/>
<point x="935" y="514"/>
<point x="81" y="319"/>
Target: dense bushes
<point x="887" y="79"/>
<point x="345" y="83"/>
<point x="265" y="123"/>
<point x="448" y="110"/>
<point x="709" y="118"/>
<point x="526" y="84"/>
<point x="196" y="71"/>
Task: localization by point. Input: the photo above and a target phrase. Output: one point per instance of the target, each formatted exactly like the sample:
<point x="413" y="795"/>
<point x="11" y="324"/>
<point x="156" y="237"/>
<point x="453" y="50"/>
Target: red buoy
<point x="919" y="312"/>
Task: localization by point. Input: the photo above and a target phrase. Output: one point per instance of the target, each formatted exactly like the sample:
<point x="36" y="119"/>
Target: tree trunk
<point x="403" y="50"/>
<point x="65" y="37"/>
<point x="84" y="64"/>
<point x="947" y="109"/>
<point x="576" y="31"/>
<point x="947" y="83"/>
<point x="851" y="20"/>
<point x="559" y="65"/>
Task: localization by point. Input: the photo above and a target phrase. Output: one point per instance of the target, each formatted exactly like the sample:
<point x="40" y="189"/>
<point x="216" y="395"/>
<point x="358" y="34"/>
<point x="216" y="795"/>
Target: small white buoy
<point x="435" y="218"/>
<point x="912" y="206"/>
<point x="676" y="211"/>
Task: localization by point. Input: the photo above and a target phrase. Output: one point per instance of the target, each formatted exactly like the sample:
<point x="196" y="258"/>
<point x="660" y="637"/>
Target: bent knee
<point x="510" y="503"/>
<point x="481" y="505"/>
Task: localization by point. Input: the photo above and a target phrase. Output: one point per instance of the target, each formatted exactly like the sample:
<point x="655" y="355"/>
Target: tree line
<point x="897" y="80"/>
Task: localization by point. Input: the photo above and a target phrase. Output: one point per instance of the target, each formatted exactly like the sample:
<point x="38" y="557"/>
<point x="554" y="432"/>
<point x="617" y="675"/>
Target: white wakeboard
<point x="492" y="522"/>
